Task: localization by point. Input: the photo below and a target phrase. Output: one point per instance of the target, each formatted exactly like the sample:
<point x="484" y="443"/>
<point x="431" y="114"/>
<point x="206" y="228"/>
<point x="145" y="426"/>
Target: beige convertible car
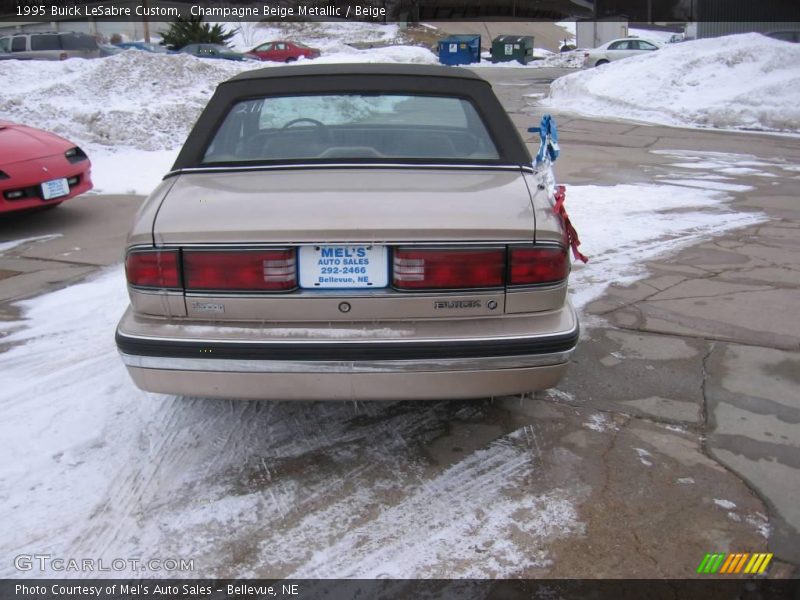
<point x="349" y="232"/>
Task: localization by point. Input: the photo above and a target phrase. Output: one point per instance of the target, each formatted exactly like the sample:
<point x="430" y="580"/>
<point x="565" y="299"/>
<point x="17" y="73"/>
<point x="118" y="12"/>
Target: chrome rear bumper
<point x="220" y="364"/>
<point x="227" y="365"/>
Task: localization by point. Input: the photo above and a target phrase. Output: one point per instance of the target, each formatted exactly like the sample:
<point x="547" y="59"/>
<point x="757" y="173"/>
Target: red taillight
<point x="153" y="268"/>
<point x="449" y="268"/>
<point x="240" y="270"/>
<point x="538" y="265"/>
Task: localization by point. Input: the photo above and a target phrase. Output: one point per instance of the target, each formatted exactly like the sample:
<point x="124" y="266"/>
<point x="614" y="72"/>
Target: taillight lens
<point x="449" y="268"/>
<point x="240" y="270"/>
<point x="153" y="268"/>
<point x="538" y="265"/>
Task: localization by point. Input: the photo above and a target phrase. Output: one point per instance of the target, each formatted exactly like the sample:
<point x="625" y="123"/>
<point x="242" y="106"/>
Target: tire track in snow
<point x="474" y="520"/>
<point x="97" y="468"/>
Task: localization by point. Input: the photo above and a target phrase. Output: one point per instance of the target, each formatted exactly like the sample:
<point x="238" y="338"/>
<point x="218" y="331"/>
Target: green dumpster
<point x="512" y="47"/>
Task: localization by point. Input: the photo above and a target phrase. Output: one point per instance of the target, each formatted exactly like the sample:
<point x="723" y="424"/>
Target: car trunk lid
<point x="253" y="214"/>
<point x="346" y="205"/>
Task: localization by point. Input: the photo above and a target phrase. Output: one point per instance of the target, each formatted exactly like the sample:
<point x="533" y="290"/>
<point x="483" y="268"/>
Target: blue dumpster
<point x="460" y="50"/>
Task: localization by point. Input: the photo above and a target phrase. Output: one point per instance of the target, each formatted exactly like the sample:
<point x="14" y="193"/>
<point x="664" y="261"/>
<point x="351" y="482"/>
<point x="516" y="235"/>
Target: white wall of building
<point x="591" y="34"/>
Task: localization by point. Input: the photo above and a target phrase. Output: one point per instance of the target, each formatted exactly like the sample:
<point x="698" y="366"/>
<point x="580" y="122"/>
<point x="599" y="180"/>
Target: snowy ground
<point x="745" y="81"/>
<point x="302" y="489"/>
<point x="624" y="225"/>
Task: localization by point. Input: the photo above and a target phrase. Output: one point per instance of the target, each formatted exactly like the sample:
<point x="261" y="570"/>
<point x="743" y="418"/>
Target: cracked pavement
<point x="710" y="338"/>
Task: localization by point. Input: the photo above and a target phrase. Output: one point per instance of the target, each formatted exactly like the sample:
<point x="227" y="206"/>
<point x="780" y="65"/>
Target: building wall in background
<point x="710" y="29"/>
<point x="591" y="34"/>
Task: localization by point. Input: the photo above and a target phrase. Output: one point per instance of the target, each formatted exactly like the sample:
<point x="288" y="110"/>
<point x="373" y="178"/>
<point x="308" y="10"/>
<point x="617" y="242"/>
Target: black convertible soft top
<point x="349" y="69"/>
<point x="356" y="78"/>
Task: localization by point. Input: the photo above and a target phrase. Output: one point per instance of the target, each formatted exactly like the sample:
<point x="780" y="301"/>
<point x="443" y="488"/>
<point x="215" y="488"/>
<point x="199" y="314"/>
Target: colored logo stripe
<point x="734" y="563"/>
<point x="729" y="563"/>
<point x="711" y="563"/>
<point x="758" y="563"/>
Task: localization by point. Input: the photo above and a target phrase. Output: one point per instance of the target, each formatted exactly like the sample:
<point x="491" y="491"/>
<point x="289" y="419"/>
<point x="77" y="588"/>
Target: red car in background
<point x="39" y="169"/>
<point x="283" y="51"/>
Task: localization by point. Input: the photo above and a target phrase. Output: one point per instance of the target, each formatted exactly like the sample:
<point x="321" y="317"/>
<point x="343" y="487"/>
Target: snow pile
<point x="572" y="59"/>
<point x="386" y="54"/>
<point x="137" y="107"/>
<point x="745" y="81"/>
<point x="135" y="99"/>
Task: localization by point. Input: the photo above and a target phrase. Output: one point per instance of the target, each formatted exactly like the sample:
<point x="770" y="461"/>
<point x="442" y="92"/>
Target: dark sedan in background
<point x="219" y="51"/>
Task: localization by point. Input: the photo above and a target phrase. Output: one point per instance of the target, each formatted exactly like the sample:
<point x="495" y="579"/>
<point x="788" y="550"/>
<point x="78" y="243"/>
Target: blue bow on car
<point x="548" y="134"/>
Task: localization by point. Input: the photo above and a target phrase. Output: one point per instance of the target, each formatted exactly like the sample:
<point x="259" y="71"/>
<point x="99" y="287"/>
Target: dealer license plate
<point x="327" y="267"/>
<point x="55" y="188"/>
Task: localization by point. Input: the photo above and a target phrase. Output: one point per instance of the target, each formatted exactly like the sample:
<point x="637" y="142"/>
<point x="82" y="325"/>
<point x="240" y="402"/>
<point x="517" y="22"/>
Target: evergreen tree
<point x="183" y="32"/>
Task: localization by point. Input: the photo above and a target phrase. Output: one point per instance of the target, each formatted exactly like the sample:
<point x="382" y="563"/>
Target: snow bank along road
<point x="610" y="465"/>
<point x="746" y="81"/>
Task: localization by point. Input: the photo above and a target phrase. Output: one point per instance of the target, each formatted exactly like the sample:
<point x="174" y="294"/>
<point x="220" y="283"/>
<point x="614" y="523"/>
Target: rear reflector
<point x="153" y="268"/>
<point x="240" y="270"/>
<point x="449" y="268"/>
<point x="530" y="265"/>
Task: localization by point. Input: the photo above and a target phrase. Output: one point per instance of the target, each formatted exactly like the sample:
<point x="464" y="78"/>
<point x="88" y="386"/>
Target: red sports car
<point x="39" y="169"/>
<point x="283" y="51"/>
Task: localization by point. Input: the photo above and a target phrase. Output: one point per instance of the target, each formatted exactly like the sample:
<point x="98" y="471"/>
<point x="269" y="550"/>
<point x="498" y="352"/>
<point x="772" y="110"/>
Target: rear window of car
<point x="352" y="127"/>
<point x="45" y="42"/>
<point x="78" y="42"/>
